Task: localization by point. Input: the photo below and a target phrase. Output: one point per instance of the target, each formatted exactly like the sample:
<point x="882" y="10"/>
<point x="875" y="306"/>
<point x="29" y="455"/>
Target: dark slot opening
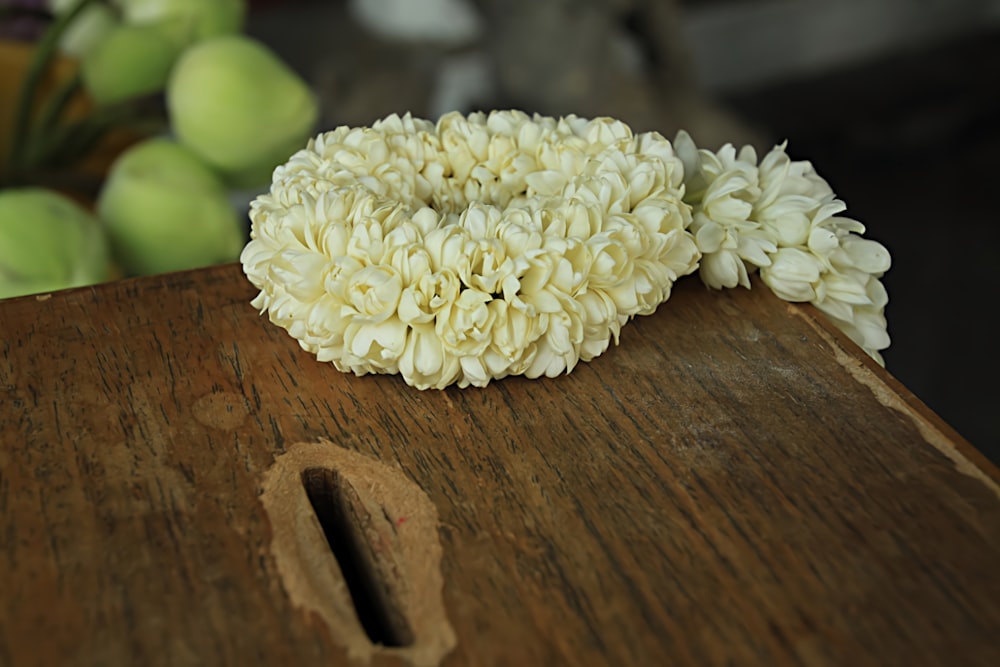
<point x="345" y="521"/>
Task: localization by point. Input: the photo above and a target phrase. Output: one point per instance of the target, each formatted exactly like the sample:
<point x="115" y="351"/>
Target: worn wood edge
<point x="892" y="394"/>
<point x="310" y="574"/>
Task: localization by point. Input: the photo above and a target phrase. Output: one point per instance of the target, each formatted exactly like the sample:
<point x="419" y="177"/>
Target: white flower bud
<point x="791" y="274"/>
<point x="464" y="325"/>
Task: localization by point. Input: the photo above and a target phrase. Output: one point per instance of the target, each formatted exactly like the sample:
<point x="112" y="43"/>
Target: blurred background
<point x="894" y="101"/>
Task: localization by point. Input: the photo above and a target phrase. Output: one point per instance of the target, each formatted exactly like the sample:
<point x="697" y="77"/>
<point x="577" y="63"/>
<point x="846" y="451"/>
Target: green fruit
<point x="232" y="101"/>
<point x="187" y="21"/>
<point x="165" y="210"/>
<point x="131" y="60"/>
<point x="86" y="30"/>
<point x="48" y="242"/>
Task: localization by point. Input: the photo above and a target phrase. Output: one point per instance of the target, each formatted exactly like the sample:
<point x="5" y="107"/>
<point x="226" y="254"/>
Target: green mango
<point x="130" y="60"/>
<point x="166" y="210"/>
<point x="48" y="242"/>
<point x="235" y="103"/>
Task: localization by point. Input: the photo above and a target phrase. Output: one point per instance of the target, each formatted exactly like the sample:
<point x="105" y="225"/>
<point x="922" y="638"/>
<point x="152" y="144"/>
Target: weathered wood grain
<point x="732" y="485"/>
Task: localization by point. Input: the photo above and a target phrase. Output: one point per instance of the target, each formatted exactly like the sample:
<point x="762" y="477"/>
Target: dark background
<point x="911" y="142"/>
<point x="899" y="114"/>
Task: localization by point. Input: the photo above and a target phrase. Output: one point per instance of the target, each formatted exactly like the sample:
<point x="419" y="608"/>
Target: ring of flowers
<point x="474" y="249"/>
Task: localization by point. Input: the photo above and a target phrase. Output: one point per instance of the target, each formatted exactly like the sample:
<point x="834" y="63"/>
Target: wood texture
<point x="733" y="485"/>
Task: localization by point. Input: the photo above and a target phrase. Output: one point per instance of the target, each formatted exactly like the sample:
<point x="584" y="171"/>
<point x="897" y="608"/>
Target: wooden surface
<point x="733" y="485"/>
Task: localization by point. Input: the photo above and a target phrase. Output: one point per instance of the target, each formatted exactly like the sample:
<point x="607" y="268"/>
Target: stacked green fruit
<point x="234" y="111"/>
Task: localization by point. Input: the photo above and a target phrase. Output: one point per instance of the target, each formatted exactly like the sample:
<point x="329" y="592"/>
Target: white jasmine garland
<point x="505" y="244"/>
<point x="779" y="217"/>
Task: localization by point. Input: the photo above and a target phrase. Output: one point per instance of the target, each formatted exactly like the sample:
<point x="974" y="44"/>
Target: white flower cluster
<point x="506" y="244"/>
<point x="469" y="250"/>
<point x="781" y="218"/>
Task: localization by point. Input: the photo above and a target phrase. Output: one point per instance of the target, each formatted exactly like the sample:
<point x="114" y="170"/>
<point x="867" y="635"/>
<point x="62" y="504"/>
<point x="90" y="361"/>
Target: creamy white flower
<point x="515" y="329"/>
<point x="374" y="347"/>
<point x="793" y="274"/>
<point x="374" y="293"/>
<point x="424" y="363"/>
<point x="557" y="350"/>
<point x="600" y="323"/>
<point x="465" y="325"/>
<point x="465" y="141"/>
<point x="420" y="301"/>
<point x="410" y="260"/>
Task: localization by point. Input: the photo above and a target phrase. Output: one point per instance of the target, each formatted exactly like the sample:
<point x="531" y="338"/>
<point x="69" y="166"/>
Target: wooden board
<point x="734" y="485"/>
